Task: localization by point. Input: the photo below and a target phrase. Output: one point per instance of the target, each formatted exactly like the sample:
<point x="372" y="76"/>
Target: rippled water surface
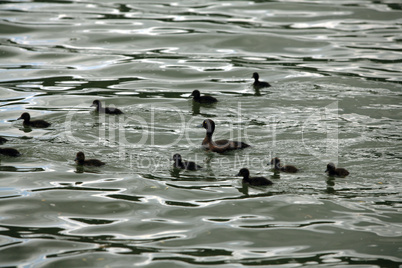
<point x="335" y="70"/>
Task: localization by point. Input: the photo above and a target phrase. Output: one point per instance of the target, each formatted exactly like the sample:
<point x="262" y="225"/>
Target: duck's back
<point x="261" y="84"/>
<point x="109" y="110"/>
<point x="221" y="146"/>
<point x="290" y="169"/>
<point x="207" y="99"/>
<point x="232" y="144"/>
<point x="258" y="181"/>
<point x="191" y="165"/>
<point x="39" y="123"/>
<point x="93" y="162"/>
<point x="10" y="152"/>
<point x="341" y="172"/>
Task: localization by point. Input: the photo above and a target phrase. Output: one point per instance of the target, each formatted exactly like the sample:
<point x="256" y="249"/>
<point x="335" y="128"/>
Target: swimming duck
<point x="3" y="140"/>
<point x="332" y="171"/>
<point x="106" y="110"/>
<point x="276" y="162"/>
<point x="33" y="123"/>
<point x="80" y="160"/>
<point x="255" y="181"/>
<point x="202" y="99"/>
<point x="218" y="146"/>
<point x="183" y="164"/>
<point x="10" y="152"/>
<point x="258" y="84"/>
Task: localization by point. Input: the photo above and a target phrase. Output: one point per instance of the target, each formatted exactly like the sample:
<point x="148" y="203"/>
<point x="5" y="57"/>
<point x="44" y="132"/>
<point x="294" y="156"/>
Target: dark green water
<point x="335" y="71"/>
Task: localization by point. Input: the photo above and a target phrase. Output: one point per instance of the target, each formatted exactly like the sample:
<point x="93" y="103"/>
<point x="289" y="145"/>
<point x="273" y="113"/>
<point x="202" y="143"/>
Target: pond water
<point x="335" y="71"/>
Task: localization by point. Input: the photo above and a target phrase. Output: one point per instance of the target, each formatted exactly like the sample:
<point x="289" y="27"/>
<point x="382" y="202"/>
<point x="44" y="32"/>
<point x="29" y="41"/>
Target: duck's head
<point x="256" y="76"/>
<point x="330" y="167"/>
<point x="96" y="103"/>
<point x="176" y="158"/>
<point x="275" y="161"/>
<point x="244" y="172"/>
<point x="196" y="93"/>
<point x="80" y="156"/>
<point x="209" y="125"/>
<point x="25" y="116"/>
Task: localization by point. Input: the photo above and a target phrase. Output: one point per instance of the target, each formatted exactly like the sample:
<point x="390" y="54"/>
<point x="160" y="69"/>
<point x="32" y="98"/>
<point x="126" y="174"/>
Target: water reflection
<point x="244" y="189"/>
<point x="250" y="190"/>
<point x="276" y="175"/>
<point x="257" y="92"/>
<point x="196" y="108"/>
<point x="330" y="185"/>
<point x="175" y="172"/>
<point x="82" y="169"/>
<point x="26" y="129"/>
<point x="20" y="169"/>
<point x="79" y="169"/>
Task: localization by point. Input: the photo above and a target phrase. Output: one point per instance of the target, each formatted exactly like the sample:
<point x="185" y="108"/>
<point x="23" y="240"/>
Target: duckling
<point x="33" y="123"/>
<point x="255" y="181"/>
<point x="202" y="99"/>
<point x="333" y="171"/>
<point x="276" y="162"/>
<point x="183" y="164"/>
<point x="80" y="160"/>
<point x="106" y="110"/>
<point x="258" y="84"/>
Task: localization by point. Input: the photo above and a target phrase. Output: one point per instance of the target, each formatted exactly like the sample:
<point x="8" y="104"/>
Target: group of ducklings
<point x="27" y="123"/>
<point x="221" y="146"/>
<point x="218" y="146"/>
<point x="38" y="123"/>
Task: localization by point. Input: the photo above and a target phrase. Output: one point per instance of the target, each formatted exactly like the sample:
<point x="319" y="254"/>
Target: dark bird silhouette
<point x="106" y="110"/>
<point x="3" y="140"/>
<point x="80" y="160"/>
<point x="255" y="181"/>
<point x="33" y="123"/>
<point x="276" y="162"/>
<point x="183" y="164"/>
<point x="9" y="152"/>
<point x="202" y="99"/>
<point x="219" y="146"/>
<point x="333" y="171"/>
<point x="259" y="84"/>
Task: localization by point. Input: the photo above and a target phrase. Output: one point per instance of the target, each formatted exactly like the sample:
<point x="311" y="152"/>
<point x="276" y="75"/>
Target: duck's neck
<point x="278" y="166"/>
<point x="332" y="172"/>
<point x="80" y="161"/>
<point x="209" y="134"/>
<point x="208" y="138"/>
<point x="178" y="163"/>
